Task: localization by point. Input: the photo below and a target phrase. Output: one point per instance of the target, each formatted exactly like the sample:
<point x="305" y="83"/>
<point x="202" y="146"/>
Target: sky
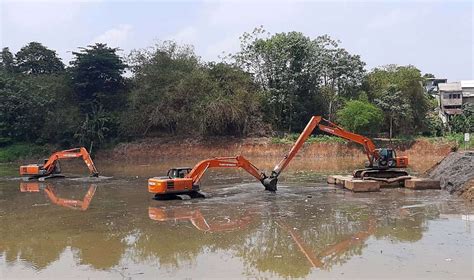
<point x="434" y="36"/>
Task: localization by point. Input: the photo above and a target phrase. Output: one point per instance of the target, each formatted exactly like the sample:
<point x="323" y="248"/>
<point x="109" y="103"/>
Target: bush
<point x="360" y="117"/>
<point x="21" y="150"/>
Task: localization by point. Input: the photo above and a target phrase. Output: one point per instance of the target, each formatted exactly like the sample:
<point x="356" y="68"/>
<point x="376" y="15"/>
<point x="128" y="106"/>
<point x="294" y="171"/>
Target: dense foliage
<point x="274" y="83"/>
<point x="360" y="117"/>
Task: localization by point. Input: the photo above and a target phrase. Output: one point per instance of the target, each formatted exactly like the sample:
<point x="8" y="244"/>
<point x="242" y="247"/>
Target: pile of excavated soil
<point x="456" y="173"/>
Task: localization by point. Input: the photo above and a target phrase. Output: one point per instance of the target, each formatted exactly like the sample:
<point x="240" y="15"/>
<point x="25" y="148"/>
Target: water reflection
<point x="51" y="192"/>
<point x="284" y="235"/>
<point x="198" y="220"/>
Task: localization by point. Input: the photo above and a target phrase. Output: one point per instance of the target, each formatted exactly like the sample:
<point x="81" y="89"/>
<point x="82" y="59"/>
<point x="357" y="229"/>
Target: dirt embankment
<point x="422" y="153"/>
<point x="456" y="173"/>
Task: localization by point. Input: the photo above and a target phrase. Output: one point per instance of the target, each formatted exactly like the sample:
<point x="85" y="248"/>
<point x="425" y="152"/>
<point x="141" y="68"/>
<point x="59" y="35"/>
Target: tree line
<point x="274" y="83"/>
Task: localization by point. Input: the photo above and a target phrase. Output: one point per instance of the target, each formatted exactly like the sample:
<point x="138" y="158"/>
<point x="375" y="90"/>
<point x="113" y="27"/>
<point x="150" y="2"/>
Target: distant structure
<point x="467" y="87"/>
<point x="452" y="97"/>
<point x="431" y="85"/>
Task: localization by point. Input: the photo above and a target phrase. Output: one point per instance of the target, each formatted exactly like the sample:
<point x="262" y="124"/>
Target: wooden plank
<point x="422" y="184"/>
<point x="341" y="180"/>
<point x="357" y="185"/>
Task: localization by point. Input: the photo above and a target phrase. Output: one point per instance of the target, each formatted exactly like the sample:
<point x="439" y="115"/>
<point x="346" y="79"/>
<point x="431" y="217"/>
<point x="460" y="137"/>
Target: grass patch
<point x="19" y="151"/>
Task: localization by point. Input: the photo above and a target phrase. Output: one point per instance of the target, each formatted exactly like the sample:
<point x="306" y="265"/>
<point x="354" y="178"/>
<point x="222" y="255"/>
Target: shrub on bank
<point x="21" y="150"/>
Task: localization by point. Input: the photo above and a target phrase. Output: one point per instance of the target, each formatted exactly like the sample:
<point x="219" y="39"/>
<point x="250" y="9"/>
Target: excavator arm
<point x="224" y="162"/>
<point x="72" y="153"/>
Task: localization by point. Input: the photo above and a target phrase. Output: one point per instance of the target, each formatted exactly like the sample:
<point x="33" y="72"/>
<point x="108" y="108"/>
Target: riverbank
<point x="328" y="155"/>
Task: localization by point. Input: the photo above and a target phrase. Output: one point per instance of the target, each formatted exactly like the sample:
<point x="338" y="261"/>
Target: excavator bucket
<point x="270" y="183"/>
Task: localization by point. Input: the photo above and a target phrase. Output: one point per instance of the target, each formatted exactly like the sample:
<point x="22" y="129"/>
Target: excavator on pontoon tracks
<point x="383" y="163"/>
<point x="51" y="167"/>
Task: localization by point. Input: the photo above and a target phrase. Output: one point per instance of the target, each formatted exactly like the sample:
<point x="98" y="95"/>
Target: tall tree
<point x="299" y="74"/>
<point x="7" y="60"/>
<point x="175" y="93"/>
<point x="394" y="107"/>
<point x="99" y="87"/>
<point x="96" y="73"/>
<point x="35" y="59"/>
<point x="399" y="93"/>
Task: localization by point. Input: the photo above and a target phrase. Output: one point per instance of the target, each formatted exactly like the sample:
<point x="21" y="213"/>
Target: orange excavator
<point x="49" y="190"/>
<point x="51" y="167"/>
<point x="382" y="162"/>
<point x="185" y="180"/>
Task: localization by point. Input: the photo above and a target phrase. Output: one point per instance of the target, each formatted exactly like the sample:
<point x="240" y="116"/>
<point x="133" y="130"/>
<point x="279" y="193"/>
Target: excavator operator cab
<point x="387" y="158"/>
<point x="180" y="172"/>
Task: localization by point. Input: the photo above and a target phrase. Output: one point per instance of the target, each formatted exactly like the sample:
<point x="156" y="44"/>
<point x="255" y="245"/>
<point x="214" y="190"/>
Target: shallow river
<point x="111" y="228"/>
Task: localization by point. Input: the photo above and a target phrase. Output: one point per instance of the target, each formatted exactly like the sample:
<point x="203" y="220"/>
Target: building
<point x="450" y="100"/>
<point x="453" y="96"/>
<point x="431" y="85"/>
<point x="467" y="87"/>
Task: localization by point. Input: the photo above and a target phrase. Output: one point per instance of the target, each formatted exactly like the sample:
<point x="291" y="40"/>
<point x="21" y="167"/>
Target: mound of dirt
<point x="455" y="172"/>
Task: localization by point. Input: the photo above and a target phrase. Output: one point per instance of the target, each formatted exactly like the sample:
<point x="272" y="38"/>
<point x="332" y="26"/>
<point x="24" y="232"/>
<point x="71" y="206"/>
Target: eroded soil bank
<point x="322" y="157"/>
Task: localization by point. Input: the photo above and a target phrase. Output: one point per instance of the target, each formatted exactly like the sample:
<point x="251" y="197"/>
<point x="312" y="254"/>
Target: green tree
<point x="360" y="117"/>
<point x="398" y="91"/>
<point x="96" y="76"/>
<point x="464" y="122"/>
<point x="341" y="72"/>
<point x="153" y="103"/>
<point x="301" y="77"/>
<point x="283" y="66"/>
<point x="24" y="106"/>
<point x="394" y="107"/>
<point x="7" y="60"/>
<point x="175" y="93"/>
<point x="233" y="107"/>
<point x="95" y="127"/>
<point x="36" y="59"/>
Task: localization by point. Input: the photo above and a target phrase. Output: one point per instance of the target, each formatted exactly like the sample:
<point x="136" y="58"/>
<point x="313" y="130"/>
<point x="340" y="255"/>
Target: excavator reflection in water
<point x="323" y="258"/>
<point x="320" y="260"/>
<point x="50" y="191"/>
<point x="197" y="219"/>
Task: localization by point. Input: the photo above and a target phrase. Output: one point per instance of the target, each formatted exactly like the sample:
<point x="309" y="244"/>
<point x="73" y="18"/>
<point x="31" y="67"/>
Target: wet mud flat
<point x="113" y="229"/>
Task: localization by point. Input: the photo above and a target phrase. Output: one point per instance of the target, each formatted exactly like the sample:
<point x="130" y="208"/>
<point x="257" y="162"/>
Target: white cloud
<point x="114" y="37"/>
<point x="187" y="35"/>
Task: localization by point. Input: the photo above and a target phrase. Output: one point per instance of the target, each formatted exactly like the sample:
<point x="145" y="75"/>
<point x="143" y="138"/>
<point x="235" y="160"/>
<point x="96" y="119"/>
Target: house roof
<point x="467" y="83"/>
<point x="456" y="86"/>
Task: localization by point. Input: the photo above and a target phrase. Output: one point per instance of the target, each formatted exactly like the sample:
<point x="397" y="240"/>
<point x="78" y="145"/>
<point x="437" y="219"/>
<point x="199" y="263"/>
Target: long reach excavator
<point x="51" y="166"/>
<point x="383" y="163"/>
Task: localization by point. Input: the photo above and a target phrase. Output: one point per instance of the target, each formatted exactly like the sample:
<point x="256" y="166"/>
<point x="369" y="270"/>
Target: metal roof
<point x="456" y="86"/>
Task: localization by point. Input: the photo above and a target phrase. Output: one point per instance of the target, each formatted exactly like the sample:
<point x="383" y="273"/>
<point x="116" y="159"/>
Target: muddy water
<point x="111" y="228"/>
